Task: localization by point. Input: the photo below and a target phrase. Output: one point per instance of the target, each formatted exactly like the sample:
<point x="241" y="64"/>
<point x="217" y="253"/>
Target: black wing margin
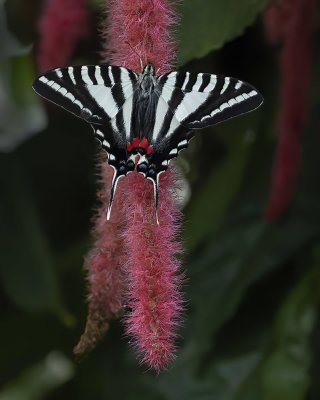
<point x="201" y="100"/>
<point x="193" y="101"/>
<point x="94" y="92"/>
<point x="100" y="95"/>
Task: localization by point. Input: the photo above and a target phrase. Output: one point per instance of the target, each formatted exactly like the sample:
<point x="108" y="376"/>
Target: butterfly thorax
<point x="147" y="82"/>
<point x="144" y="111"/>
<point x="147" y="73"/>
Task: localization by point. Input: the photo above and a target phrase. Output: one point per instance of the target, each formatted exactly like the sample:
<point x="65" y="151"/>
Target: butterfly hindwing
<point x="117" y="156"/>
<point x="101" y="95"/>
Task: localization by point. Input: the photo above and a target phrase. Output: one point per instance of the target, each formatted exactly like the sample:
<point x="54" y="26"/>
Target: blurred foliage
<point x="21" y="114"/>
<point x="9" y="45"/>
<point x="251" y="328"/>
<point x="38" y="380"/>
<point x="27" y="270"/>
<point x="207" y="25"/>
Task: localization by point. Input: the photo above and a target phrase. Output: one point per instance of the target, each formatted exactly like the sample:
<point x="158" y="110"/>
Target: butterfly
<point x="144" y="120"/>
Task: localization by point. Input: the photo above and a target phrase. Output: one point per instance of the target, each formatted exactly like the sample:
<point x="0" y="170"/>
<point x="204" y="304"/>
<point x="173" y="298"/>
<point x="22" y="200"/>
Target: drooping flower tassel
<point x="61" y="25"/>
<point x="139" y="30"/>
<point x="292" y="22"/>
<point x="104" y="267"/>
<point x="134" y="260"/>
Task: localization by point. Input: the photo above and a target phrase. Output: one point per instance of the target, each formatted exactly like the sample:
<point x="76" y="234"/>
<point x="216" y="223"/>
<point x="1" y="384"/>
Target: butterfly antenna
<point x="135" y="51"/>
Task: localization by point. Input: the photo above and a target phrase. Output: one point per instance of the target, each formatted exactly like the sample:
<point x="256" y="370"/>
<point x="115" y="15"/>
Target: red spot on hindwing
<point x="137" y="143"/>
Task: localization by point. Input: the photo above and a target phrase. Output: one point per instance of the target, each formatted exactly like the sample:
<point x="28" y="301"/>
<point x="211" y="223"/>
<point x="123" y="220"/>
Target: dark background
<point x="251" y="327"/>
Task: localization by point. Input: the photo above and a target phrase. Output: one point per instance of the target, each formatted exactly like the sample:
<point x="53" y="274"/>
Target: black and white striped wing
<point x="194" y="101"/>
<point x="200" y="100"/>
<point x="94" y="93"/>
<point x="102" y="96"/>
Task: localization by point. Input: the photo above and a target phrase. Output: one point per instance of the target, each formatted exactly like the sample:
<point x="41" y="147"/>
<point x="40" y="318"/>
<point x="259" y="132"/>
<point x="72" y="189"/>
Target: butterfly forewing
<point x="94" y="93"/>
<point x="200" y="100"/>
<point x="101" y="95"/>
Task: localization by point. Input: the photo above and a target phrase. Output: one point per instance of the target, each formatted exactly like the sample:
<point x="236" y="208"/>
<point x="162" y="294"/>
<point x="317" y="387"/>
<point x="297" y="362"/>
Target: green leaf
<point x="285" y="372"/>
<point x="21" y="112"/>
<point x="242" y="253"/>
<point x="9" y="45"/>
<point x="39" y="380"/>
<point x="210" y="202"/>
<point x="26" y="263"/>
<point x="208" y="24"/>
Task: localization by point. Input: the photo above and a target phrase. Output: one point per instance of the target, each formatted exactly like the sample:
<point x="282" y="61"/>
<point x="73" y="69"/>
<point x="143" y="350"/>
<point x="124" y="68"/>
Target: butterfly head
<point x="148" y="69"/>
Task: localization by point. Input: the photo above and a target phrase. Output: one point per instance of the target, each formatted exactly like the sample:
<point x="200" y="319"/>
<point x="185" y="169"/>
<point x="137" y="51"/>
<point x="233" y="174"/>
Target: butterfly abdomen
<point x="145" y="109"/>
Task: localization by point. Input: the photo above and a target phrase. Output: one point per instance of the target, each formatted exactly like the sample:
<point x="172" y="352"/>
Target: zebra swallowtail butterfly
<point x="144" y="115"/>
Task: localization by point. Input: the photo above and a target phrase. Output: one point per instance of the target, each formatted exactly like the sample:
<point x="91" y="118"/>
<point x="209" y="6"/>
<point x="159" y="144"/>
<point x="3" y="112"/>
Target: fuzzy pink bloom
<point x="62" y="24"/>
<point x="134" y="259"/>
<point x="292" y="21"/>
<point x="104" y="266"/>
<point x="140" y="28"/>
<point x="154" y="281"/>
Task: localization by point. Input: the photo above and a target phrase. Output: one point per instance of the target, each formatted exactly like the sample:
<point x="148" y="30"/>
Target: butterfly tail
<point x="156" y="191"/>
<point x="115" y="179"/>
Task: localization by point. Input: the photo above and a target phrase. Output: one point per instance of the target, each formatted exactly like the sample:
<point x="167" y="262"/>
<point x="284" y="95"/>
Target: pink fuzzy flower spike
<point x="154" y="281"/>
<point x="291" y="21"/>
<point x="140" y="29"/>
<point x="104" y="266"/>
<point x="62" y="24"/>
